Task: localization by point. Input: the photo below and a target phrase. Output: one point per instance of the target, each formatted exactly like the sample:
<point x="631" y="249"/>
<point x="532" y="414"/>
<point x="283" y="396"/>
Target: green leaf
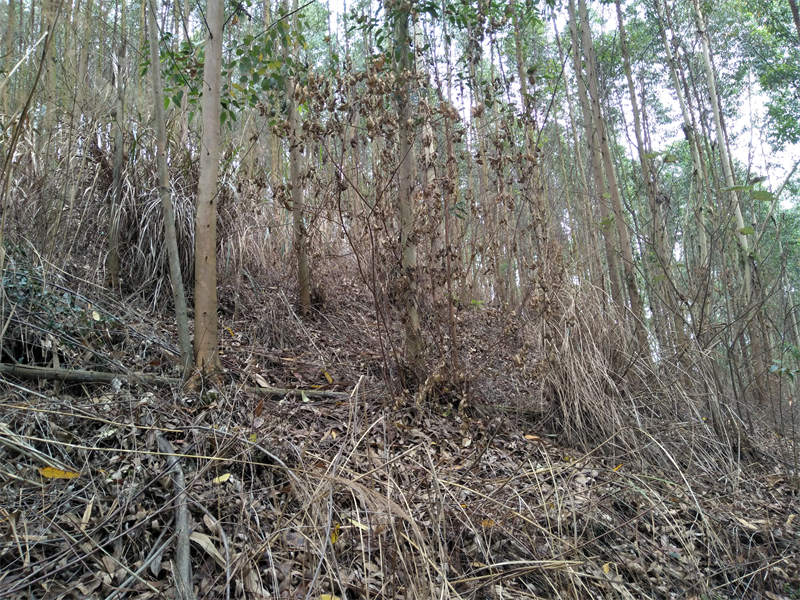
<point x="747" y="230"/>
<point x="607" y="221"/>
<point x="736" y="188"/>
<point x="763" y="195"/>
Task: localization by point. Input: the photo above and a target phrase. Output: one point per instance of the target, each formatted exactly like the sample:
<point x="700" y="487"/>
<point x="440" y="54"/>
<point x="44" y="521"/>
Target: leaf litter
<point x="527" y="490"/>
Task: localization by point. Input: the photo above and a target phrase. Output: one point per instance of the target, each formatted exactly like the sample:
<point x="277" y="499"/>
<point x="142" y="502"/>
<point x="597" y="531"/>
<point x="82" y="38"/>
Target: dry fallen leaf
<point x="221" y="479"/>
<point x="205" y="542"/>
<point x="53" y="473"/>
<point x="335" y="532"/>
<point x="361" y="526"/>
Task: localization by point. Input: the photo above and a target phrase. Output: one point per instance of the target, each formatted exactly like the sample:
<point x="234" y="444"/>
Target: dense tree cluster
<point x="448" y="153"/>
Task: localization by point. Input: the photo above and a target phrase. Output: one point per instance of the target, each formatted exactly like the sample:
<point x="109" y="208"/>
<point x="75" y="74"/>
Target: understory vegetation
<point x="485" y="300"/>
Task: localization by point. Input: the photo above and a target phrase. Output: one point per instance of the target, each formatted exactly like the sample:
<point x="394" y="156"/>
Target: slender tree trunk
<point x="275" y="150"/>
<point x="7" y="103"/>
<point x="399" y="11"/>
<point x="612" y="187"/>
<point x="596" y="159"/>
<point x="723" y="146"/>
<point x="533" y="237"/>
<point x="591" y="249"/>
<point x="176" y="278"/>
<point x="83" y="59"/>
<point x="450" y="198"/>
<point x="752" y="295"/>
<point x="700" y="271"/>
<point x="297" y="193"/>
<point x="112" y="260"/>
<point x="205" y="261"/>
<point x="665" y="300"/>
<point x="49" y="17"/>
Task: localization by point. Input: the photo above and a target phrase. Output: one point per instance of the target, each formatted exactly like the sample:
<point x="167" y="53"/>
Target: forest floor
<point x="477" y="487"/>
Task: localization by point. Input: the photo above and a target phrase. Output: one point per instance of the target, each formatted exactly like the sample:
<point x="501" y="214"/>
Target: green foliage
<point x="38" y="308"/>
<point x="255" y="67"/>
<point x="791" y="354"/>
<point x="769" y="47"/>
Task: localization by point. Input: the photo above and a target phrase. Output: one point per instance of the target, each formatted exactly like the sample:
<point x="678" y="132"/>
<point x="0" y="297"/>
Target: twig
<point x="183" y="564"/>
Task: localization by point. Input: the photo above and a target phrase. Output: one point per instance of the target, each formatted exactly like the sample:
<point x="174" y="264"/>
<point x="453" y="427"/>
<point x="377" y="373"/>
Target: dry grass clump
<point x="66" y="216"/>
<point x="600" y="391"/>
<point x="351" y="498"/>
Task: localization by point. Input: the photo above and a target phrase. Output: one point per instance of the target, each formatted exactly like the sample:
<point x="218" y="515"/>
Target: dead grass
<point x="555" y="464"/>
<point x="573" y="471"/>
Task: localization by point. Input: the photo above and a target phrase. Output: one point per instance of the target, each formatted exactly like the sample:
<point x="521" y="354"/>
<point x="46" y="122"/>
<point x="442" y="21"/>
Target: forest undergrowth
<point x="485" y="300"/>
<point x="552" y="463"/>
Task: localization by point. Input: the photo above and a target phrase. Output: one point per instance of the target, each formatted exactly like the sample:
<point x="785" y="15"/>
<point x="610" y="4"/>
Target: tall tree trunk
<point x="535" y="232"/>
<point x="296" y="184"/>
<point x="699" y="274"/>
<point x="450" y="190"/>
<point x="205" y="260"/>
<point x="725" y="161"/>
<point x="795" y="18"/>
<point x="665" y="300"/>
<point x="175" y="276"/>
<point x="83" y="59"/>
<point x="723" y="146"/>
<point x="752" y="295"/>
<point x="49" y="17"/>
<point x="399" y="12"/>
<point x="275" y="150"/>
<point x="597" y="170"/>
<point x="112" y="260"/>
<point x="591" y="246"/>
<point x="612" y="188"/>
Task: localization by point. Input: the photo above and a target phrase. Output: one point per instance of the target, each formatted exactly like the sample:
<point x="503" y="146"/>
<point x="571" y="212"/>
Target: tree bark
<point x="7" y="102"/>
<point x="205" y="261"/>
<point x="699" y="274"/>
<point x="175" y="275"/>
<point x="795" y="18"/>
<point x="535" y="229"/>
<point x="112" y="260"/>
<point x="399" y="11"/>
<point x="752" y="295"/>
<point x="612" y="187"/>
<point x="664" y="305"/>
<point x="591" y="245"/>
<point x="597" y="171"/>
<point x="297" y="195"/>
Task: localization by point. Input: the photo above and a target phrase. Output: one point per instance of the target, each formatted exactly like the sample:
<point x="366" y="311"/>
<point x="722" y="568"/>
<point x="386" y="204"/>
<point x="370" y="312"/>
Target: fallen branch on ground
<point x="79" y="375"/>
